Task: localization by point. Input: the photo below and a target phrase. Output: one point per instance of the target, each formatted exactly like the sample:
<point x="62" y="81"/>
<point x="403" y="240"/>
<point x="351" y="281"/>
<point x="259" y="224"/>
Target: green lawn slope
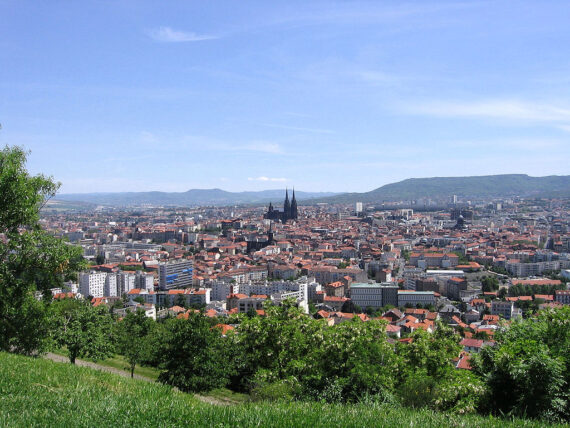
<point x="41" y="393"/>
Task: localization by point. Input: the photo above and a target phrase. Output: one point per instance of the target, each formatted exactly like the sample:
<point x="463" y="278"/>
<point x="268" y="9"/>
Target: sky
<point x="341" y="96"/>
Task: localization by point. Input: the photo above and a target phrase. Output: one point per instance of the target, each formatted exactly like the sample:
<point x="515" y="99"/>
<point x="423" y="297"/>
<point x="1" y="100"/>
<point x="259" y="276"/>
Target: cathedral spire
<point x="293" y="207"/>
<point x="286" y="207"/>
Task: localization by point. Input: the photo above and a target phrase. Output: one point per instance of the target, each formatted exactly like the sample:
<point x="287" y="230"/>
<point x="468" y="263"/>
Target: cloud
<point x="262" y="178"/>
<point x="168" y="35"/>
<point x="493" y="109"/>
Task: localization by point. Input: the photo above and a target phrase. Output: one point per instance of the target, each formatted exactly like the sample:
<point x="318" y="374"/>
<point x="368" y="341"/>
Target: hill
<point x="193" y="197"/>
<point x="487" y="186"/>
<point x="36" y="392"/>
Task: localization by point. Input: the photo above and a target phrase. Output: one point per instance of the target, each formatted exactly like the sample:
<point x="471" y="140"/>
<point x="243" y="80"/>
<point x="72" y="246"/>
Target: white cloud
<point x="262" y="178"/>
<point x="493" y="109"/>
<point x="167" y="34"/>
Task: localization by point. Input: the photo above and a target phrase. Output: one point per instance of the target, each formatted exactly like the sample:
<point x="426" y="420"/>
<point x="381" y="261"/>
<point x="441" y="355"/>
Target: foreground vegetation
<point x="35" y="392"/>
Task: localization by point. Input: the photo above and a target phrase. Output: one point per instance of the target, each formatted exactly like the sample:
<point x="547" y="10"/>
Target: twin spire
<point x="289" y="209"/>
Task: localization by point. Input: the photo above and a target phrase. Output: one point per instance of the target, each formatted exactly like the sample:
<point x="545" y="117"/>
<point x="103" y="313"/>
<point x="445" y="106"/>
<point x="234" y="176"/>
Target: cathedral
<point x="289" y="211"/>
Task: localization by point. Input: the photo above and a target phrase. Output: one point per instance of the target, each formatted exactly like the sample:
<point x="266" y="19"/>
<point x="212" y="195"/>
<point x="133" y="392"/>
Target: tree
<point x="489" y="283"/>
<point x="527" y="372"/>
<point x="195" y="357"/>
<point x="30" y="259"/>
<point x="84" y="330"/>
<point x="132" y="337"/>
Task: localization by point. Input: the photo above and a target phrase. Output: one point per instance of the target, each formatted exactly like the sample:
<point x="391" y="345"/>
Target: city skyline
<point x="328" y="96"/>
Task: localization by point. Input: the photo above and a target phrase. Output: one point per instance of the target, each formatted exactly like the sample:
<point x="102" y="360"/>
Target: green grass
<point x="227" y="395"/>
<point x="119" y="362"/>
<point x="41" y="393"/>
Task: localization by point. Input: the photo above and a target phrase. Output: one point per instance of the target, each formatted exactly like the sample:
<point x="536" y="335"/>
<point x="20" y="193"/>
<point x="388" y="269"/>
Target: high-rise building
<point x="92" y="283"/>
<point x="175" y="274"/>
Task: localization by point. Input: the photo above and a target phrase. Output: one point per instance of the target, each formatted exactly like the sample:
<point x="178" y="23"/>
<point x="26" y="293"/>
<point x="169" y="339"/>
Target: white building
<point x="125" y="282"/>
<point x="110" y="289"/>
<point x="222" y="289"/>
<point x="92" y="283"/>
<point x="144" y="281"/>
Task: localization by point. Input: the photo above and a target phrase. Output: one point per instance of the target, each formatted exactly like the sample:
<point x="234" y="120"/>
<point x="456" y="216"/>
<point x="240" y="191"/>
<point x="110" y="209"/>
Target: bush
<point x="273" y="391"/>
<point x="461" y="392"/>
<point x="416" y="391"/>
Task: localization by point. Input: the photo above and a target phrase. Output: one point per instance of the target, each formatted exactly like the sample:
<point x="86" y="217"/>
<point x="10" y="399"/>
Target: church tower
<point x="286" y="207"/>
<point x="294" y="207"/>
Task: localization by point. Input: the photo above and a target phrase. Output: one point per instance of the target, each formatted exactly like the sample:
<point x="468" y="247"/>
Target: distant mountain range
<point x="194" y="197"/>
<point x="487" y="186"/>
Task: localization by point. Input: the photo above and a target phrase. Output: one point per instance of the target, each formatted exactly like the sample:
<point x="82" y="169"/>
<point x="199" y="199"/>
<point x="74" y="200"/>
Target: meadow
<point x="39" y="393"/>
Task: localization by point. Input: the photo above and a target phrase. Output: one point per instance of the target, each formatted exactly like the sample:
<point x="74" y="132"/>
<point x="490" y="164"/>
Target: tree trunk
<point x="133" y="370"/>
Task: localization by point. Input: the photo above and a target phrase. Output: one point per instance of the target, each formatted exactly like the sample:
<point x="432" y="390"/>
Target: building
<point x="125" y="282"/>
<point x="406" y="297"/>
<point x="563" y="296"/>
<point x="110" y="288"/>
<point x="374" y="295"/>
<point x="517" y="268"/>
<point x="144" y="281"/>
<point x="92" y="283"/>
<point x="289" y="211"/>
<point x="505" y="309"/>
<point x="358" y="208"/>
<point x="176" y="274"/>
<point x="454" y="287"/>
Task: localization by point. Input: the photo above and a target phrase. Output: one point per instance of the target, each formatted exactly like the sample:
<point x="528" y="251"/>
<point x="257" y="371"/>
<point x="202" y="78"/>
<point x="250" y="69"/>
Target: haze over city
<point x="326" y="96"/>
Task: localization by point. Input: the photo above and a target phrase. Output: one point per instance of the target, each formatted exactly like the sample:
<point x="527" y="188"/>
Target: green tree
<point x="132" y="337"/>
<point x="196" y="357"/>
<point x="83" y="330"/>
<point x="30" y="259"/>
<point x="489" y="283"/>
<point x="272" y="348"/>
<point x="353" y="359"/>
<point x="527" y="372"/>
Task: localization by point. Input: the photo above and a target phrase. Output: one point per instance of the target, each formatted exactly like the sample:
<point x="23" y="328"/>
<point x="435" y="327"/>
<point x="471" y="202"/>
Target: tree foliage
<point x="83" y="330"/>
<point x="195" y="356"/>
<point x="528" y="371"/>
<point x="30" y="259"/>
<point x="132" y="334"/>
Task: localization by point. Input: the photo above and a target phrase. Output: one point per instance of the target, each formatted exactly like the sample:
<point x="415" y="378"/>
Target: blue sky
<point x="325" y="96"/>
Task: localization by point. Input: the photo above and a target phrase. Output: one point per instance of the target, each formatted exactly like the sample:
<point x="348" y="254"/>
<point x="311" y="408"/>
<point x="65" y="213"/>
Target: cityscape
<point x="284" y="214"/>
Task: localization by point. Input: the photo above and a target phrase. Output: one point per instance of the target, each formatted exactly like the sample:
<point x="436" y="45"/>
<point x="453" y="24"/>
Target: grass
<point x="228" y="396"/>
<point x="40" y="393"/>
<point x="119" y="362"/>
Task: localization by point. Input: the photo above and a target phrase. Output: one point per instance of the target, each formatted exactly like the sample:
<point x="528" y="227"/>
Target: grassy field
<point x="119" y="362"/>
<point x="40" y="393"/>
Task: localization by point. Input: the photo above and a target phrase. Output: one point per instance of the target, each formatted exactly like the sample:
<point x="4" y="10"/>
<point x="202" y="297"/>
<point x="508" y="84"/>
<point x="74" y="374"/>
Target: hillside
<point x="36" y="392"/>
<point x="193" y="197"/>
<point x="507" y="185"/>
